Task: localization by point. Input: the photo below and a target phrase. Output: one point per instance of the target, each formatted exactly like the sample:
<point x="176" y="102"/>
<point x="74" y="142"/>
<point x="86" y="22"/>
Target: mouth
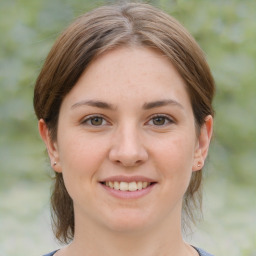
<point x="127" y="186"/>
<point x="124" y="187"/>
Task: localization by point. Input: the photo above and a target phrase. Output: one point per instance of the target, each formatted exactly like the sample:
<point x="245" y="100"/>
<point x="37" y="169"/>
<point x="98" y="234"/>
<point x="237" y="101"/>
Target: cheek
<point x="174" y="159"/>
<point x="178" y="150"/>
<point x="80" y="160"/>
<point x="81" y="155"/>
<point x="175" y="167"/>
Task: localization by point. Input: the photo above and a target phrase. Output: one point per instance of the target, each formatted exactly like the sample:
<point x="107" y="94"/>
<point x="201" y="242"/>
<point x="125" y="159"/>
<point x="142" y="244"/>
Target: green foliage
<point x="225" y="29"/>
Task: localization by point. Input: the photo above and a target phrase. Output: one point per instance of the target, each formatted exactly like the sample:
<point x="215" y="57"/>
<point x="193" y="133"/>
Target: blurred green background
<point x="226" y="31"/>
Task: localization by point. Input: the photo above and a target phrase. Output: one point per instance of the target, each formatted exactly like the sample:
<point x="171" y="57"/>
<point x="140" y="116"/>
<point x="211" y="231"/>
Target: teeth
<point x="132" y="186"/>
<point x="124" y="186"/>
<point x="139" y="185"/>
<point x="144" y="184"/>
<point x="127" y="186"/>
<point x="111" y="184"/>
<point x="116" y="185"/>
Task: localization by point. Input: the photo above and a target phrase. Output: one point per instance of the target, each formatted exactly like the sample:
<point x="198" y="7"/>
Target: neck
<point x="154" y="241"/>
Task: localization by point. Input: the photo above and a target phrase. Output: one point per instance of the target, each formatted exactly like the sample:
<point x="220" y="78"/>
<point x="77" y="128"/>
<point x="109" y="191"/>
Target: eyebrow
<point x="146" y="106"/>
<point x="161" y="103"/>
<point x="93" y="103"/>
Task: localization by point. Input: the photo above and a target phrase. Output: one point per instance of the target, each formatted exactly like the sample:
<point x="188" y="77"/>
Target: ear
<point x="203" y="143"/>
<point x="51" y="146"/>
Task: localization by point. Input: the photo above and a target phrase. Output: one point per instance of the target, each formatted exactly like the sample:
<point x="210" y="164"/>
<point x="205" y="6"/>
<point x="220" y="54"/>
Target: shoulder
<point x="202" y="252"/>
<point x="51" y="253"/>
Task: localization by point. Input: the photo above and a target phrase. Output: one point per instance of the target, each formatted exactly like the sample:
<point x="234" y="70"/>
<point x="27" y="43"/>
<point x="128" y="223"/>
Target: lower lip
<point x="129" y="194"/>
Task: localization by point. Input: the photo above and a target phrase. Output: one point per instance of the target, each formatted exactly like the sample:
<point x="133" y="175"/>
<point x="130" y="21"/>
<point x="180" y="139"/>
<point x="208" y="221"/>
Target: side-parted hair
<point x="103" y="29"/>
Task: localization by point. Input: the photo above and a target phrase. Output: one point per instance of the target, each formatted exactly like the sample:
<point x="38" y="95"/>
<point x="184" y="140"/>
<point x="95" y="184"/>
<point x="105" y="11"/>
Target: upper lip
<point x="120" y="178"/>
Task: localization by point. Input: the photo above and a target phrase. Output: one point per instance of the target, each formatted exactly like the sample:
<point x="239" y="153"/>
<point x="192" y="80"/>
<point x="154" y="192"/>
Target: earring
<point x="198" y="165"/>
<point x="54" y="163"/>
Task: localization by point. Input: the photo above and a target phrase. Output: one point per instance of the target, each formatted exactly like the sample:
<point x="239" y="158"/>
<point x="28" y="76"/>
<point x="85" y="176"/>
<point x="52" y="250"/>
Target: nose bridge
<point x="127" y="147"/>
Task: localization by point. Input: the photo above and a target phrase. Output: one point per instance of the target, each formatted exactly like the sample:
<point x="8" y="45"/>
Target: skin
<point x="128" y="140"/>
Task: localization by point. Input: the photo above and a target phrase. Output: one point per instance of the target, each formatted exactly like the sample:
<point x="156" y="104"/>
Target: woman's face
<point x="126" y="142"/>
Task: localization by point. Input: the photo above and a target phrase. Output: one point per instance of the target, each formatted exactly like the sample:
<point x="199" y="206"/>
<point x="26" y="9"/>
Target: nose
<point x="127" y="148"/>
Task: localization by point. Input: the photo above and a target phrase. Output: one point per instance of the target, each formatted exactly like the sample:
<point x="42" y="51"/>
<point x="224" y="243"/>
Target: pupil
<point x="159" y="120"/>
<point x="96" y="121"/>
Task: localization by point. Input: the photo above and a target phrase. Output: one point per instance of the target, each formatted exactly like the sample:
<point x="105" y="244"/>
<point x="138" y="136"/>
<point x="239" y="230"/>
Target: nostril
<point x="127" y="155"/>
<point x="130" y="163"/>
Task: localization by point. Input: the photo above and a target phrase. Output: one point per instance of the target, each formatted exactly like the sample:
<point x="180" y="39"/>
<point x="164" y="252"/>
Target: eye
<point x="94" y="121"/>
<point x="160" y="120"/>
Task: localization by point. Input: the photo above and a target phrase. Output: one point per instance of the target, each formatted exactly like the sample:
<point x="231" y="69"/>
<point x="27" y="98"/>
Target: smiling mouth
<point x="127" y="186"/>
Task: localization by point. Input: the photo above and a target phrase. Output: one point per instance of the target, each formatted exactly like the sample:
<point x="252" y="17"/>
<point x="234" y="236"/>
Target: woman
<point x="124" y="107"/>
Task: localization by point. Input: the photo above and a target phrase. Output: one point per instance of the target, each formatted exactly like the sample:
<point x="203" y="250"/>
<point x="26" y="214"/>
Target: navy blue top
<point x="50" y="254"/>
<point x="200" y="252"/>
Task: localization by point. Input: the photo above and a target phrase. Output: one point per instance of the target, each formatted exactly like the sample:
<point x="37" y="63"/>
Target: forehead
<point x="130" y="74"/>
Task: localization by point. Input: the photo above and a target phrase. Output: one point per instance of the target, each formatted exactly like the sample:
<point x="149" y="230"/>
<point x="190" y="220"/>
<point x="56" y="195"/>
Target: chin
<point x="128" y="221"/>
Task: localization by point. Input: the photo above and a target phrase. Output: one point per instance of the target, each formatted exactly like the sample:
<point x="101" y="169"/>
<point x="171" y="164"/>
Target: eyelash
<point x="167" y="120"/>
<point x="90" y="118"/>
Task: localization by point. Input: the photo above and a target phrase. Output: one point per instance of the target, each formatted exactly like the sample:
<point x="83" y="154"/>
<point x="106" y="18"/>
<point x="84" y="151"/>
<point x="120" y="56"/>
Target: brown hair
<point x="89" y="36"/>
